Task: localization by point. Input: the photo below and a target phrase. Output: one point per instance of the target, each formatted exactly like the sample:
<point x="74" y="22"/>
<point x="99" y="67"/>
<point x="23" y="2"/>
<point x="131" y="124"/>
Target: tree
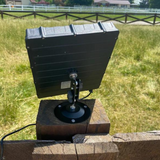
<point x="144" y="3"/>
<point x="58" y="2"/>
<point x="131" y="1"/>
<point x="2" y="1"/>
<point x="154" y="3"/>
<point x="79" y="2"/>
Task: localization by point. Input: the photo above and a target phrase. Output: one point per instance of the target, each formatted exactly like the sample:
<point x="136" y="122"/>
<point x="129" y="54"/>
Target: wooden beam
<point x="50" y="127"/>
<point x="131" y="146"/>
<point x="48" y="151"/>
<point x="100" y="151"/>
<point x="97" y="151"/>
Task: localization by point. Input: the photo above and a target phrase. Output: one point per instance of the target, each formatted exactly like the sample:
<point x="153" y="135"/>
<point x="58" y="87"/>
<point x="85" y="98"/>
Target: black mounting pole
<point x="73" y="111"/>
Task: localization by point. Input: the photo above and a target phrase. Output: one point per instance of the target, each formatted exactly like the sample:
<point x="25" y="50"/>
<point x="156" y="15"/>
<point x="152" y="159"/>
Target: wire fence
<point x="54" y="8"/>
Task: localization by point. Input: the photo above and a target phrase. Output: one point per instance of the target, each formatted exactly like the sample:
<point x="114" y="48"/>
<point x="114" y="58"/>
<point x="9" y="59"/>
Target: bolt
<point x="85" y="106"/>
<point x="71" y="88"/>
<point x="59" y="106"/>
<point x="73" y="120"/>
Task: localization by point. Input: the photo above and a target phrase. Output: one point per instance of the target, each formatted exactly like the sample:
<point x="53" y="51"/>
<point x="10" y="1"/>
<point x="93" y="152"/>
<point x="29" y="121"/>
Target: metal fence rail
<point x="124" y="18"/>
<point x="76" y="9"/>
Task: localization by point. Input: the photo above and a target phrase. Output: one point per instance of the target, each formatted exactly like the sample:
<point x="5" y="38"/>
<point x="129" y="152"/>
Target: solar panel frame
<point x="56" y="51"/>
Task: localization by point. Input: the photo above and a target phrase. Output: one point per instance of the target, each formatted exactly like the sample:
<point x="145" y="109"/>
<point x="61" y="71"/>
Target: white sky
<point x="136" y="1"/>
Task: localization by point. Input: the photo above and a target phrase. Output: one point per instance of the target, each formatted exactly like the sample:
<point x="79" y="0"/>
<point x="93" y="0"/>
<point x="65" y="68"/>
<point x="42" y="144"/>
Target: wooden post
<point x="126" y="16"/>
<point x="48" y="126"/>
<point x="66" y="15"/>
<point x="154" y="20"/>
<point x="96" y="17"/>
<point x="2" y="15"/>
<point x="34" y="13"/>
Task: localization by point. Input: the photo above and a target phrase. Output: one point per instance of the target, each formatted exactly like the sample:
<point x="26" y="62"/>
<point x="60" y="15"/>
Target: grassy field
<point x="130" y="89"/>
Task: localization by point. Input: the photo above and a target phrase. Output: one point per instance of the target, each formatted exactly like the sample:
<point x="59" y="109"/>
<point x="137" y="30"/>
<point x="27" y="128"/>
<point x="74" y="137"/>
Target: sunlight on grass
<point x="130" y="89"/>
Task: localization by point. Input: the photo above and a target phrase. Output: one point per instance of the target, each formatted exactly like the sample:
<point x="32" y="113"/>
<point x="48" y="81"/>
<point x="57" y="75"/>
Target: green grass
<point x="129" y="92"/>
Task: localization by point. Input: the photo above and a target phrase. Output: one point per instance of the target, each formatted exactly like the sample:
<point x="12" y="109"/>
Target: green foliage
<point x="131" y="1"/>
<point x="59" y="2"/>
<point x="144" y="3"/>
<point x="154" y="3"/>
<point x="79" y="2"/>
<point x="2" y="2"/>
<point x="49" y="1"/>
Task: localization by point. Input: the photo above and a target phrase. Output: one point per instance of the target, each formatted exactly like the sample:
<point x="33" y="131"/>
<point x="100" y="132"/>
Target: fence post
<point x="126" y="15"/>
<point x="154" y="20"/>
<point x="9" y="7"/>
<point x="2" y="15"/>
<point x="96" y="17"/>
<point x="34" y="13"/>
<point x="66" y="15"/>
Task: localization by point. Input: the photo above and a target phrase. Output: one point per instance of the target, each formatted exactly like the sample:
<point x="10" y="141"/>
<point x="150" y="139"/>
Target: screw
<point x="59" y="106"/>
<point x="85" y="106"/>
<point x="72" y="88"/>
<point x="73" y="120"/>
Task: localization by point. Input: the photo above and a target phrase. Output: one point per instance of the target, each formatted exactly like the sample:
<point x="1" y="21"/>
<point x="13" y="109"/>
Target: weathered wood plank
<point x="49" y="127"/>
<point x="91" y="138"/>
<point x="131" y="146"/>
<point x="98" y="151"/>
<point x="50" y="151"/>
<point x="70" y="152"/>
<point x="139" y="146"/>
<point x="99" y="122"/>
<point x="85" y="151"/>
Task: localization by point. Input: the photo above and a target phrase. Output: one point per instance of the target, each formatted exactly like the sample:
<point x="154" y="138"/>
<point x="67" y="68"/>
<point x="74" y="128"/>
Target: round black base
<point x="72" y="114"/>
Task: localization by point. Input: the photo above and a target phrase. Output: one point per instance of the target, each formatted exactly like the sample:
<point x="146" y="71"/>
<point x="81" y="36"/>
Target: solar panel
<point x="55" y="52"/>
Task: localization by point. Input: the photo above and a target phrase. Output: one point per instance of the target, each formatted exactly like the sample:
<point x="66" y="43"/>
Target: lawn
<point x="129" y="92"/>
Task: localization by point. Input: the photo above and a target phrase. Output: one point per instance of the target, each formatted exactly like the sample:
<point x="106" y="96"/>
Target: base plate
<point x="65" y="113"/>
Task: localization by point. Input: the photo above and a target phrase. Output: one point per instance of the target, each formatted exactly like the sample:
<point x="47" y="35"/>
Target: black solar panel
<point x="55" y="51"/>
